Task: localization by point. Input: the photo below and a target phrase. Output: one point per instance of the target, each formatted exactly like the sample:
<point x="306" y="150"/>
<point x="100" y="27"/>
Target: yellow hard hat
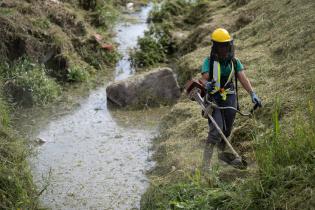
<point x="221" y="35"/>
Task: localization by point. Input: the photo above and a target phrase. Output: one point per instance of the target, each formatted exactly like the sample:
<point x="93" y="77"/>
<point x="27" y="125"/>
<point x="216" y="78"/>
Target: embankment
<point x="275" y="42"/>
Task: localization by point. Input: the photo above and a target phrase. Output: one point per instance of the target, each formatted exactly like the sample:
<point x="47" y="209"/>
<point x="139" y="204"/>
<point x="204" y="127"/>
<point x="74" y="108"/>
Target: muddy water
<point x="97" y="158"/>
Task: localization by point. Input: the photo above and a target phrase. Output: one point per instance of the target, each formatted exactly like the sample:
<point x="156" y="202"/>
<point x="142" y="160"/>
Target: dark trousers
<point x="225" y="120"/>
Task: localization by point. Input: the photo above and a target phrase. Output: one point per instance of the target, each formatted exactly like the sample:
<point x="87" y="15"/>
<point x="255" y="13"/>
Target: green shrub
<point x="154" y="46"/>
<point x="77" y="74"/>
<point x="168" y="10"/>
<point x="105" y="15"/>
<point x="26" y="79"/>
<point x="148" y="53"/>
<point x="157" y="42"/>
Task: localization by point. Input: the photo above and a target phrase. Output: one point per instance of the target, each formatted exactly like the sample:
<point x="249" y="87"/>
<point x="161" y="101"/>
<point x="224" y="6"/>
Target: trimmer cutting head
<point x="232" y="160"/>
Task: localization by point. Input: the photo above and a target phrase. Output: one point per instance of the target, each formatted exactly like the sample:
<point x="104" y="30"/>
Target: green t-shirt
<point x="226" y="68"/>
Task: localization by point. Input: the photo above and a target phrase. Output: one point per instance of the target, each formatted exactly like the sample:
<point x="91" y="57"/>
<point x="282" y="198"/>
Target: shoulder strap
<point x="236" y="88"/>
<point x="211" y="61"/>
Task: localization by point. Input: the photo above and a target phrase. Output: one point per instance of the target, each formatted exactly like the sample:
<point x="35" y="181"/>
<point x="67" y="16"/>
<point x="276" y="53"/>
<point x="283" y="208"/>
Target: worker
<point x="220" y="72"/>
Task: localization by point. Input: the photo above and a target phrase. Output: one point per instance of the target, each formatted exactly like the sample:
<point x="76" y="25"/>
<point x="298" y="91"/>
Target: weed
<point x="168" y="10"/>
<point x="192" y="193"/>
<point x="92" y="53"/>
<point x="4" y="116"/>
<point x="77" y="74"/>
<point x="105" y="15"/>
<point x="16" y="187"/>
<point x="27" y="83"/>
<point x="149" y="52"/>
<point x="42" y="23"/>
<point x="6" y="11"/>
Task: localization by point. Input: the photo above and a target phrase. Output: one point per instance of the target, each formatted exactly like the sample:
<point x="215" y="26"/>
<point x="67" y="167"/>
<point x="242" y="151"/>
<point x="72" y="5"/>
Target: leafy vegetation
<point x="169" y="19"/>
<point x="16" y="185"/>
<point x="105" y="15"/>
<point x="77" y="74"/>
<point x="149" y="53"/>
<point x="25" y="80"/>
<point x="169" y="10"/>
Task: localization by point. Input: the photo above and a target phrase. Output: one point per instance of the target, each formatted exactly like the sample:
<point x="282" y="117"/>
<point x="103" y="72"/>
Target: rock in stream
<point x="158" y="86"/>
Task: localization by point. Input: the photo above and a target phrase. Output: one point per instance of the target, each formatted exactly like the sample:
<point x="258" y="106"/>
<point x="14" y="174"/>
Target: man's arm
<point x="248" y="87"/>
<point x="204" y="78"/>
<point x="241" y="76"/>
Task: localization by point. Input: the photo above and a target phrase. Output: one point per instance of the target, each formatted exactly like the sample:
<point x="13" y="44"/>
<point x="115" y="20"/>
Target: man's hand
<point x="210" y="86"/>
<point x="204" y="78"/>
<point x="255" y="99"/>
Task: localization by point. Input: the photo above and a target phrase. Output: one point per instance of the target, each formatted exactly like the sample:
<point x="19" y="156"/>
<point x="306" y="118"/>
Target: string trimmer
<point x="196" y="92"/>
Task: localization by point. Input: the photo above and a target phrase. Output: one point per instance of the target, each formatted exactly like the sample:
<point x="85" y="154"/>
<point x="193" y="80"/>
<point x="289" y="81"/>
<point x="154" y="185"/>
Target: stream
<point x="95" y="158"/>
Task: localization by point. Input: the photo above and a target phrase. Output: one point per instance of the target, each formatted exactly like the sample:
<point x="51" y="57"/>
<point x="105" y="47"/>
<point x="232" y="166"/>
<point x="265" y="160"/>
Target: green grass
<point x="32" y="80"/>
<point x="97" y="57"/>
<point x="16" y="185"/>
<point x="105" y="15"/>
<point x="284" y="179"/>
<point x="43" y="24"/>
<point x="286" y="169"/>
<point x="156" y="44"/>
<point x="168" y="10"/>
<point x="191" y="192"/>
<point x="77" y="74"/>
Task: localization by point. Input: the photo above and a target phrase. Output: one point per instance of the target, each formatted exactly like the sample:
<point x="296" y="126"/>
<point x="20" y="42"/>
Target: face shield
<point x="222" y="50"/>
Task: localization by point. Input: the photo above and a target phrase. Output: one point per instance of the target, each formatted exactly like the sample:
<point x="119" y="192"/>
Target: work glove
<point x="255" y="99"/>
<point x="209" y="87"/>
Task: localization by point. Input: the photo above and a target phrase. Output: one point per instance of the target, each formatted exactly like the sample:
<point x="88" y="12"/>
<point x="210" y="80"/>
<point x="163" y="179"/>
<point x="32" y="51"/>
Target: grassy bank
<point x="55" y="42"/>
<point x="275" y="42"/>
<point x="16" y="185"/>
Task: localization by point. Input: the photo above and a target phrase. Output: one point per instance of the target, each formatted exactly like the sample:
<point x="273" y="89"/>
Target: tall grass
<point x="284" y="178"/>
<point x="194" y="192"/>
<point x="286" y="168"/>
<point x="17" y="190"/>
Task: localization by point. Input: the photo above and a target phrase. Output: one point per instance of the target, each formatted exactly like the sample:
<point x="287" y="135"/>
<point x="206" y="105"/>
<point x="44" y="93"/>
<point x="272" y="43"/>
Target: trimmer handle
<point x="254" y="108"/>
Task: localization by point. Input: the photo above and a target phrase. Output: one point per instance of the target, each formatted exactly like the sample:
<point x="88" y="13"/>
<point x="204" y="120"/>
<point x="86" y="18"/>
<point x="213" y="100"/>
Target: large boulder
<point x="158" y="86"/>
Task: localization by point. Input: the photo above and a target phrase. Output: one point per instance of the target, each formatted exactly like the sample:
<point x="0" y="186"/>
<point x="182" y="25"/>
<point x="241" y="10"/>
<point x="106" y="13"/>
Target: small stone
<point x="118" y="136"/>
<point x="40" y="141"/>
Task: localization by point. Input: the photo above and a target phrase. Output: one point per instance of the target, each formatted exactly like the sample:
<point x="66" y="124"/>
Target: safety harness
<point x="216" y="77"/>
